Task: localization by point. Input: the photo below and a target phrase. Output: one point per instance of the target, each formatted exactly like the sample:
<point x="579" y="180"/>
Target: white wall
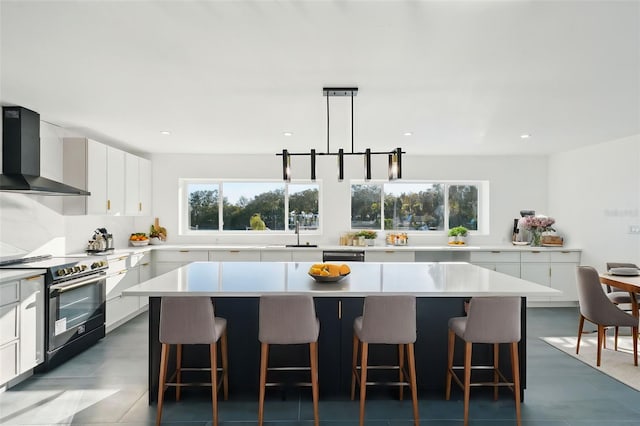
<point x="594" y="193"/>
<point x="516" y="183"/>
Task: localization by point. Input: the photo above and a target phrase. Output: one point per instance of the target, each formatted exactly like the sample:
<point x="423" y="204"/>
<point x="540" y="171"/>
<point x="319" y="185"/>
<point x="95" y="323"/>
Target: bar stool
<point x="385" y="320"/>
<point x="191" y="320"/>
<point x="492" y="320"/>
<point x="288" y="320"/>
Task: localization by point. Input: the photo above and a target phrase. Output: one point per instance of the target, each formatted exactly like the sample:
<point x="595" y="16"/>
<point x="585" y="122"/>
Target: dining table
<point x="630" y="283"/>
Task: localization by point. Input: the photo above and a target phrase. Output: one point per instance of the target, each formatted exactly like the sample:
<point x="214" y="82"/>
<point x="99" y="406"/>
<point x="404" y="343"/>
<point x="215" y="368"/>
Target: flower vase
<point x="536" y="238"/>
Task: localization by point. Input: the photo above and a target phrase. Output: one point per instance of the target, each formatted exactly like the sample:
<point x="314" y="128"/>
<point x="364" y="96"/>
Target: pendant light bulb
<point x="367" y="164"/>
<point x="286" y="166"/>
<point x="393" y="166"/>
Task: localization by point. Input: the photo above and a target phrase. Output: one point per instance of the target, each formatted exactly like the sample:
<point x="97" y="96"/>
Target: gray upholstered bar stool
<point x="492" y="320"/>
<point x="191" y="320"/>
<point x="288" y="320"/>
<point x="386" y="320"/>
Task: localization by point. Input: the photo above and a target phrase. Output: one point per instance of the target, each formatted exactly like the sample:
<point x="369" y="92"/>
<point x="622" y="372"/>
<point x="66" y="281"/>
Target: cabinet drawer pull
<point x="234" y="251"/>
<point x="184" y="251"/>
<point x="389" y="251"/>
<point x="35" y="277"/>
<point x="495" y="251"/>
<point x="140" y="207"/>
<point x="339" y="309"/>
<point x="565" y="252"/>
<point x="535" y="252"/>
<point x="146" y="264"/>
<point x="108" y="204"/>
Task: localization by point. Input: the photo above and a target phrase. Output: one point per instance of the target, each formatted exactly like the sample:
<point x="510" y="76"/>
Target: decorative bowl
<point x="155" y="241"/>
<point x="327" y="279"/>
<point x="139" y="243"/>
<point x="520" y="243"/>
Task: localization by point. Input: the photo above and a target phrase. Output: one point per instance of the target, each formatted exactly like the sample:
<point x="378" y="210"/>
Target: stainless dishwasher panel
<point x="343" y="256"/>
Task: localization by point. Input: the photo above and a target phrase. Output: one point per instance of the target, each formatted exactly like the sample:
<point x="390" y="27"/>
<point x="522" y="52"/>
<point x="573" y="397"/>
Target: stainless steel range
<point x="75" y="289"/>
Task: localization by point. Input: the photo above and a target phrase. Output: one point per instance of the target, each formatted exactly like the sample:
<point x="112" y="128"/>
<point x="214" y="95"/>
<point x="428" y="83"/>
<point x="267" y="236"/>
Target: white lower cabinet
<point x="499" y="261"/>
<point x="120" y="276"/>
<point x="145" y="273"/>
<point x="553" y="269"/>
<point x="306" y="255"/>
<point x="21" y="326"/>
<point x="234" y="255"/>
<point x="390" y="256"/>
<point x="168" y="260"/>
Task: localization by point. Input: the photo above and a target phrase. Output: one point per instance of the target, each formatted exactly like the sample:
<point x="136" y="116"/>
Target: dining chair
<point x="597" y="308"/>
<point x="191" y="320"/>
<point x="619" y="296"/>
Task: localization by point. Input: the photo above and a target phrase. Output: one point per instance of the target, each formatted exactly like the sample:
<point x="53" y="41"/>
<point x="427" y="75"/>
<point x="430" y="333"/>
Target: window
<point x="415" y="206"/>
<point x="249" y="206"/>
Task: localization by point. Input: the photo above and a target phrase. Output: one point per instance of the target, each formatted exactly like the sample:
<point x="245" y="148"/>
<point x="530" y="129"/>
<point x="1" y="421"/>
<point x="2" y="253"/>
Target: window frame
<point x="483" y="203"/>
<point x="183" y="210"/>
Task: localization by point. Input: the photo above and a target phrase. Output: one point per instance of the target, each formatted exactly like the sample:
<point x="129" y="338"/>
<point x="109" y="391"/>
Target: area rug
<point x="617" y="364"/>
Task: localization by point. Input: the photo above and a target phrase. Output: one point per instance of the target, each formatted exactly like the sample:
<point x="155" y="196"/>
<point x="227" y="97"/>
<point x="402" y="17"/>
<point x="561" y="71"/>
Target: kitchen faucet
<point x="298" y="231"/>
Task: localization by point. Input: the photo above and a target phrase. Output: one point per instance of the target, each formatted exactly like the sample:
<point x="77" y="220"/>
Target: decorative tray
<point x="327" y="279"/>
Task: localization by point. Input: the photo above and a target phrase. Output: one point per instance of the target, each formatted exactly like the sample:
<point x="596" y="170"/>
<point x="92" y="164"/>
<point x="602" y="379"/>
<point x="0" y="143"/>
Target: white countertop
<point x="17" y="274"/>
<point x="251" y="279"/>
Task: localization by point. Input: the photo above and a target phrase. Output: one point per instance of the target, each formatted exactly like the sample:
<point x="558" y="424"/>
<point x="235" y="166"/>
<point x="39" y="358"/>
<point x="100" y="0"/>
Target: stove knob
<point x="76" y="269"/>
<point x="83" y="267"/>
<point x="60" y="272"/>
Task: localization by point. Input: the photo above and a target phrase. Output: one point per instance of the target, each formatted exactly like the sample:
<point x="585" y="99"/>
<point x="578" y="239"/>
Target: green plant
<point x="256" y="222"/>
<point x="458" y="231"/>
<point x="368" y="235"/>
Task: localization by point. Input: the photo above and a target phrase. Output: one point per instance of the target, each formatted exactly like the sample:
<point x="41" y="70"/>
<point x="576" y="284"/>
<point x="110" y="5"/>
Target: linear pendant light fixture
<point x="395" y="156"/>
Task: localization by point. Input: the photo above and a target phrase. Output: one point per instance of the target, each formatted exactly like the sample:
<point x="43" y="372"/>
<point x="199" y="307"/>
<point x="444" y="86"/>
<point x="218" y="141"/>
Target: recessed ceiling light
<point x="525" y="136"/>
<point x="165" y="132"/>
<point x="408" y="133"/>
<point x="288" y="134"/>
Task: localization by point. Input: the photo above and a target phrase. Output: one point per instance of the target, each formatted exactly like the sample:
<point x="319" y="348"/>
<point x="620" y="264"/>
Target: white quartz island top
<point x="252" y="279"/>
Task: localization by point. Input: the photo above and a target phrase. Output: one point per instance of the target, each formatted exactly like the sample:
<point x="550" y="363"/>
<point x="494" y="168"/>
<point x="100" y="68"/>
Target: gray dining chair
<point x="597" y="308"/>
<point x="618" y="296"/>
<point x="492" y="320"/>
<point x="188" y="321"/>
<point x="288" y="320"/>
<point x="385" y="320"/>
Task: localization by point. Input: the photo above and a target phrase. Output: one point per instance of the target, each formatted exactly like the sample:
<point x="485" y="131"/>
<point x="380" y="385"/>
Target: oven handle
<point x="62" y="288"/>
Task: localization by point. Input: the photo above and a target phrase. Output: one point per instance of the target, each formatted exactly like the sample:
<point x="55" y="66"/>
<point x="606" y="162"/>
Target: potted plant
<point x="458" y="235"/>
<point x="369" y="236"/>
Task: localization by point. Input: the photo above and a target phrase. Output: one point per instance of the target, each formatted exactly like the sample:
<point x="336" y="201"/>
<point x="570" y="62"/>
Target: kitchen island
<point x="441" y="289"/>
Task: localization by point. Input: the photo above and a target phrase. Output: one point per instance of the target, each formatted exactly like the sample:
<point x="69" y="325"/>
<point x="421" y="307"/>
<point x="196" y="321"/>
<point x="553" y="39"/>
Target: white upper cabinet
<point x="119" y="182"/>
<point x="137" y="186"/>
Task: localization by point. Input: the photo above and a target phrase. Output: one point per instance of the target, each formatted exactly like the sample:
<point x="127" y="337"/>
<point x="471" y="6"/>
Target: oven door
<point x="75" y="307"/>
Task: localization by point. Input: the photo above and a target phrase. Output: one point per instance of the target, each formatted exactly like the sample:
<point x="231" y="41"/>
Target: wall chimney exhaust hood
<point x="21" y="156"/>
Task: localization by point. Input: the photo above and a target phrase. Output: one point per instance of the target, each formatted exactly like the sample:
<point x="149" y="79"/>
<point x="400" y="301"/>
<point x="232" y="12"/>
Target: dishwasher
<point x="343" y="256"/>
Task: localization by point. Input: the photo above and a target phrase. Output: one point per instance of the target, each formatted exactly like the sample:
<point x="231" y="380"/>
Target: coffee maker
<point x="521" y="235"/>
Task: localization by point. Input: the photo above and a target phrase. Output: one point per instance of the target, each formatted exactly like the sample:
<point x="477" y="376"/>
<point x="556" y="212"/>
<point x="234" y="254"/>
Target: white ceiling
<point x="464" y="77"/>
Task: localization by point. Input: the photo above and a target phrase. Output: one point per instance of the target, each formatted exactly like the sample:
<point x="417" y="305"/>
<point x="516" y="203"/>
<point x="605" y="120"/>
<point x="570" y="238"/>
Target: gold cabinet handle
<point x="35" y="277"/>
<point x="108" y="204"/>
<point x="234" y="251"/>
<point x="140" y="206"/>
<point x="184" y="251"/>
<point x="495" y="251"/>
<point x="339" y="309"/>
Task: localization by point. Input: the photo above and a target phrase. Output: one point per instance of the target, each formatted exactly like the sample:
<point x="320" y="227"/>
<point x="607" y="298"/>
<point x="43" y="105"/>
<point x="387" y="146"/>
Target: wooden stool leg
<point x="178" y="370"/>
<point x="354" y="365"/>
<point x="515" y="366"/>
<point x="264" y="356"/>
<point x="225" y="365"/>
<point x="363" y="379"/>
<point x="467" y="380"/>
<point x="414" y="382"/>
<point x="451" y="346"/>
<point x="400" y="369"/>
<point x="313" y="357"/>
<point x="162" y="379"/>
<point x="580" y="326"/>
<point x="496" y="362"/>
<point x="213" y="351"/>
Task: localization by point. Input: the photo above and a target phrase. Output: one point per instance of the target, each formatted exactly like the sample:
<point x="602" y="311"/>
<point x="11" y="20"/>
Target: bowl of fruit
<point x="328" y="272"/>
<point x="138" y="239"/>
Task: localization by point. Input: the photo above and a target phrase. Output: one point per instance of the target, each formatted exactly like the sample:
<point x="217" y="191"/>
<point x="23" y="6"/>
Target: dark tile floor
<point x="106" y="385"/>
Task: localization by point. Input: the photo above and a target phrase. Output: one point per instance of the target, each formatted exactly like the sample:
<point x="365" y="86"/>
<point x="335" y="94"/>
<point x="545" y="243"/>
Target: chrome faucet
<point x="298" y="231"/>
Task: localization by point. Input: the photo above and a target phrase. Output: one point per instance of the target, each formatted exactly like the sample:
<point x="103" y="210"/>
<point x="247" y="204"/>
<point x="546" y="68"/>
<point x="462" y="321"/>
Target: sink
<point x="301" y="245"/>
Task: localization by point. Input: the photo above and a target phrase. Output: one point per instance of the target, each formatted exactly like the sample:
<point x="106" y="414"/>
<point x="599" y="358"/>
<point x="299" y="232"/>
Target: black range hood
<point x="21" y="156"/>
